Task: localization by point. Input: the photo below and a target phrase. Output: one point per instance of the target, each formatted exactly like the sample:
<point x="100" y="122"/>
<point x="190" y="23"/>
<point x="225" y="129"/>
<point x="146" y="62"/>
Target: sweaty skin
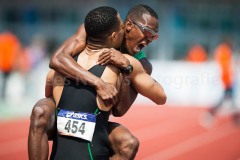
<point x="73" y="47"/>
<point x="140" y="80"/>
<point x="109" y="76"/>
<point x="123" y="143"/>
<point x="63" y="62"/>
<point x="147" y="87"/>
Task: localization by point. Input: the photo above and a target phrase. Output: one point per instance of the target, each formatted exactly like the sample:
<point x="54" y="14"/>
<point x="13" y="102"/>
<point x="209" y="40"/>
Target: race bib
<point x="76" y="124"/>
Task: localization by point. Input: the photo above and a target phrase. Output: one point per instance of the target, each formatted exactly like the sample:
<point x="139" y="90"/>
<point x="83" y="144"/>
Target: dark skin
<point x="63" y="57"/>
<point x="62" y="61"/>
<point x="126" y="97"/>
<point x="127" y="92"/>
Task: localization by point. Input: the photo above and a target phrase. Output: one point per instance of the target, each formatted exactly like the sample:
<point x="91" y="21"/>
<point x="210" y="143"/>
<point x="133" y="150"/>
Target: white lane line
<point x="195" y="142"/>
<point x="11" y="147"/>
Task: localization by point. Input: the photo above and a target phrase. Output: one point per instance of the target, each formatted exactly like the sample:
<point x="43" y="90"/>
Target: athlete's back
<point x="82" y="115"/>
<point x="76" y="103"/>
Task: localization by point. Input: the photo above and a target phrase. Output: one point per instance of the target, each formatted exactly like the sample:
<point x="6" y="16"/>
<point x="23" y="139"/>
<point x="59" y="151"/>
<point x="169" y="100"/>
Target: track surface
<point x="165" y="133"/>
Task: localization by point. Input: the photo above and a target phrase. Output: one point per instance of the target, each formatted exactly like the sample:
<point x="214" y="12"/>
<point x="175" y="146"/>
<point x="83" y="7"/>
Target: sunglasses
<point x="149" y="33"/>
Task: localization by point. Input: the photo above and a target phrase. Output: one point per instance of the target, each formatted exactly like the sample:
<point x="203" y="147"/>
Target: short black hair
<point x="136" y="12"/>
<point x="101" y="21"/>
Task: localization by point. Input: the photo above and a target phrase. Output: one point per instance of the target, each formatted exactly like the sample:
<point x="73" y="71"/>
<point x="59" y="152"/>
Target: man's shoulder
<point x="131" y="58"/>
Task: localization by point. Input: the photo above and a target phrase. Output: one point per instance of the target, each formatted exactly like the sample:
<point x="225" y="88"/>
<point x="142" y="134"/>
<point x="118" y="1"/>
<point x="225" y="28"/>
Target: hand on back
<point x="113" y="56"/>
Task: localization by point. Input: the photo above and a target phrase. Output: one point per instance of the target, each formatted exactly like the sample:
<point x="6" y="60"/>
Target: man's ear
<point x="113" y="36"/>
<point x="128" y="25"/>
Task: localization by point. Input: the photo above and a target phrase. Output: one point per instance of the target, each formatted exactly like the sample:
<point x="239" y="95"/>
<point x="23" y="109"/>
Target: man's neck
<point x="123" y="48"/>
<point x="96" y="44"/>
<point x="94" y="49"/>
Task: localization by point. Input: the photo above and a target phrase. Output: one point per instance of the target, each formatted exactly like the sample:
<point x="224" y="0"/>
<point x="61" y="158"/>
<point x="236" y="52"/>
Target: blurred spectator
<point x="36" y="51"/>
<point x="24" y="64"/>
<point x="10" y="49"/>
<point x="32" y="60"/>
<point x="197" y="54"/>
<point x="223" y="55"/>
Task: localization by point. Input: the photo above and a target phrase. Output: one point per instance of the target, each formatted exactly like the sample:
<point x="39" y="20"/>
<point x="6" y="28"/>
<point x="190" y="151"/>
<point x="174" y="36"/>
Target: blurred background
<point x="196" y="58"/>
<point x="190" y="31"/>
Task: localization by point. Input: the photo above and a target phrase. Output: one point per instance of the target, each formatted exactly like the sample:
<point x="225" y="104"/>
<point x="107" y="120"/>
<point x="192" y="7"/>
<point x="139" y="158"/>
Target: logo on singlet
<point x="70" y="114"/>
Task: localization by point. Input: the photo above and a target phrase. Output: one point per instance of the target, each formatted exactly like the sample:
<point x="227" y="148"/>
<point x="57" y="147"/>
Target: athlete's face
<point x="139" y="34"/>
<point x="119" y="34"/>
<point x="115" y="39"/>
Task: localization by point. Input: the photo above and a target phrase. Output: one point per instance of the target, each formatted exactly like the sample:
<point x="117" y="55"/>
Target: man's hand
<point x="107" y="92"/>
<point x="113" y="56"/>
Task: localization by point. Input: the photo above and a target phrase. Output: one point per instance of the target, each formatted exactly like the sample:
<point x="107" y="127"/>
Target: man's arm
<point x="145" y="84"/>
<point x="127" y="94"/>
<point x="63" y="63"/>
<point x="141" y="83"/>
<point x="49" y="84"/>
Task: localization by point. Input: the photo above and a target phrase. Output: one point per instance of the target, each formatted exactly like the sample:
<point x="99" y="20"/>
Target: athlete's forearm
<point x="66" y="65"/>
<point x="127" y="96"/>
<point x="62" y="61"/>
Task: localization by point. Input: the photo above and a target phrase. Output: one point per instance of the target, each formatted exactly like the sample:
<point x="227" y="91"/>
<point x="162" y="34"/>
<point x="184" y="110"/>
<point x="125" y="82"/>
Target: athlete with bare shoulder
<point x="140" y="29"/>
